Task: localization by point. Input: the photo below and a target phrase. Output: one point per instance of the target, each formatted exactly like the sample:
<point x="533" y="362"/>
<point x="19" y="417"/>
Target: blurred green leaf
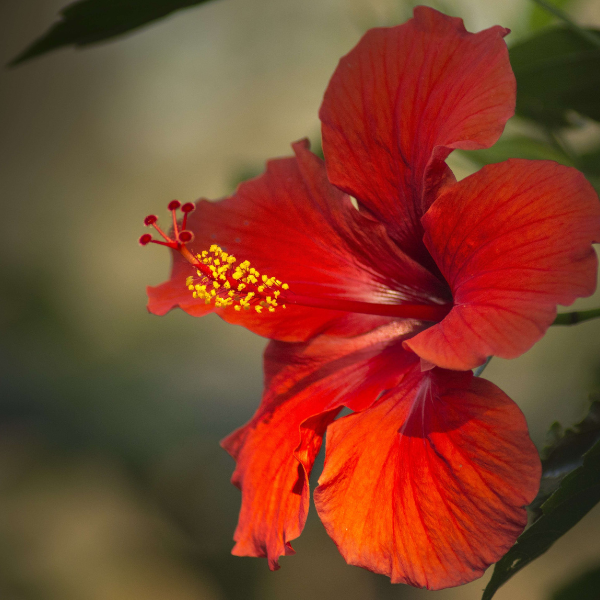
<point x="584" y="587"/>
<point x="557" y="71"/>
<point x="92" y="21"/>
<point x="540" y="18"/>
<point x="517" y="147"/>
<point x="589" y="163"/>
<point x="565" y="451"/>
<point x="577" y="494"/>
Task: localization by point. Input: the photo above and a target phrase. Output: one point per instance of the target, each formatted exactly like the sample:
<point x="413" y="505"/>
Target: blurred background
<point x="112" y="482"/>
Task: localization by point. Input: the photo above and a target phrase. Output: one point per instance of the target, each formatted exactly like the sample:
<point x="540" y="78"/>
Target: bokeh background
<point x="112" y="482"/>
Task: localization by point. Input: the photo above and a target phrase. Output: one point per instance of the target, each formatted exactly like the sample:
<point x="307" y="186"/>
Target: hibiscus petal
<point x="291" y="223"/>
<point x="400" y="101"/>
<point x="428" y="485"/>
<point x="306" y="386"/>
<point x="513" y="241"/>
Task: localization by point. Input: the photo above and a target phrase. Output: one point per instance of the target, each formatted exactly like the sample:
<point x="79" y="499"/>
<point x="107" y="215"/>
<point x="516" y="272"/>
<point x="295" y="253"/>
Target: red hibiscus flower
<point x="385" y="309"/>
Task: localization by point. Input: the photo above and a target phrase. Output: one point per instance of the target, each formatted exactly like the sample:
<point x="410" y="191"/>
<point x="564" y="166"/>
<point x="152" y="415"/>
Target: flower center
<point x="220" y="278"/>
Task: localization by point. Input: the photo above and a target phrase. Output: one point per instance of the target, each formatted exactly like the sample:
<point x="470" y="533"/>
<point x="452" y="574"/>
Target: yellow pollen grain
<point x="218" y="283"/>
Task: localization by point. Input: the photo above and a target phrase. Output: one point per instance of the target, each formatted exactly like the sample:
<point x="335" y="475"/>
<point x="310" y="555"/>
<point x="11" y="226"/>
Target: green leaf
<point x="540" y="18"/>
<point x="565" y="451"/>
<point x="578" y="493"/>
<point x="557" y="71"/>
<point x="92" y="21"/>
<point x="517" y="147"/>
<point x="584" y="587"/>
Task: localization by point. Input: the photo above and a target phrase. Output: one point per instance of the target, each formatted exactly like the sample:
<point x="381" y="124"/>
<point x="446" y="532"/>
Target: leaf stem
<point x="584" y="33"/>
<point x="578" y="316"/>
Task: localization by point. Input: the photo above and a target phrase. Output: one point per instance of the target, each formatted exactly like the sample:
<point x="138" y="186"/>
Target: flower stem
<point x="577" y="316"/>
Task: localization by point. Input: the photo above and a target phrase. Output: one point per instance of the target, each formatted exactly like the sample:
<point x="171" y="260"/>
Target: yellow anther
<point x="218" y="284"/>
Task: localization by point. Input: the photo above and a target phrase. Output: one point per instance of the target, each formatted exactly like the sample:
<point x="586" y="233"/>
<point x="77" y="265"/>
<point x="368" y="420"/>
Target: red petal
<point x="513" y="241"/>
<point x="402" y="100"/>
<point x="291" y="223"/>
<point x="306" y="385"/>
<point x="428" y="486"/>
